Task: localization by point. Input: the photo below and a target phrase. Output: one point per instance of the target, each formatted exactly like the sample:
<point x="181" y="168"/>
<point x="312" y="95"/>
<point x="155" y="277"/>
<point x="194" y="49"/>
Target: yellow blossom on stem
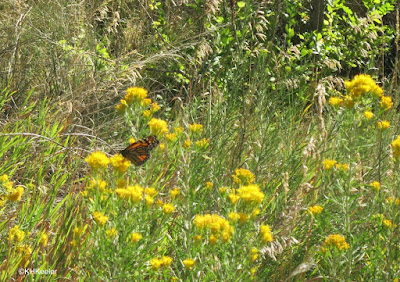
<point x="348" y="102"/>
<point x="234" y="216"/>
<point x="171" y="137"/>
<point x="386" y="103"/>
<point x="145" y="102"/>
<point x="209" y="185"/>
<point x="131" y="193"/>
<point x="111" y="233"/>
<point x="4" y="178"/>
<point x="233" y="198"/>
<point x="336" y="240"/>
<point x="135" y="237"/>
<point x="243" y="176"/>
<point x="396" y="147"/>
<point x="187" y="143"/>
<point x="44" y="238"/>
<point x="195" y="128"/>
<point x="155" y="263"/>
<point x="251" y="194"/>
<point x="343" y="167"/>
<point x="315" y="209"/>
<point x="376" y="186"/>
<point x="154" y="108"/>
<point x="146" y="114"/>
<point x="328" y="164"/>
<point x="362" y="84"/>
<point x="135" y="94"/>
<point x="158" y="126"/>
<point x="178" y="130"/>
<point x="336" y="101"/>
<point x="168" y="208"/>
<point x="97" y="160"/>
<point x="243" y="217"/>
<point x="121" y="107"/>
<point x="16" y="234"/>
<point x="203" y="143"/>
<point x="383" y="124"/>
<point x="119" y="163"/>
<point x="150" y="191"/>
<point x="174" y="192"/>
<point x="387" y="223"/>
<point x="15" y="195"/>
<point x="266" y="234"/>
<point x="100" y="218"/>
<point x="368" y="115"/>
<point x="189" y="263"/>
<point x="253" y="254"/>
<point x="149" y="200"/>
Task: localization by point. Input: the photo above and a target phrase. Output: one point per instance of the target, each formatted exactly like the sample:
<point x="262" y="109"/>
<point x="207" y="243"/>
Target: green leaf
<point x="241" y="4"/>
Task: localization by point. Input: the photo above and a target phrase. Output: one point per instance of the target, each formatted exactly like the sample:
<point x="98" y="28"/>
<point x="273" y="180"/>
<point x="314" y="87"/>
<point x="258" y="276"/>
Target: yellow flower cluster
<point x="266" y="234"/>
<point x="195" y="128"/>
<point x="328" y="164"/>
<point x="15" y="194"/>
<point x="111" y="233"/>
<point x="97" y="160"/>
<point x="383" y="124"/>
<point x="368" y="115"/>
<point x="250" y="194"/>
<point x="376" y="186"/>
<point x="135" y="237"/>
<point x="335" y="240"/>
<point x="164" y="262"/>
<point x="216" y="224"/>
<point x="189" y="263"/>
<point x="396" y="147"/>
<point x="392" y="200"/>
<point x="315" y="209"/>
<point x="168" y="208"/>
<point x="135" y="94"/>
<point x="158" y="126"/>
<point x="203" y="143"/>
<point x="363" y="84"/>
<point x="16" y="234"/>
<point x="5" y="182"/>
<point x="119" y="163"/>
<point x="100" y="218"/>
<point x="387" y="223"/>
<point x="243" y="176"/>
<point x="131" y="193"/>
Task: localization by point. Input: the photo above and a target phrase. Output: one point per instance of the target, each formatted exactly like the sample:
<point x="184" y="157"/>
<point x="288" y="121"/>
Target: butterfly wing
<point x="139" y="152"/>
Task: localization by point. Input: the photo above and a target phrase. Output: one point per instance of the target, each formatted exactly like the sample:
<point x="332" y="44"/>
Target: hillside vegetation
<point x="270" y="129"/>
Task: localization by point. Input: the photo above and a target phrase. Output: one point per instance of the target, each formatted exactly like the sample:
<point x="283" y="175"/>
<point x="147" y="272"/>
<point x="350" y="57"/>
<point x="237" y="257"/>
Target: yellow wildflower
<point x="16" y="234"/>
<point x="4" y="178"/>
<point x="146" y="114"/>
<point x="328" y="164"/>
<point x="234" y="216"/>
<point x="396" y="147"/>
<point x="233" y="198"/>
<point x="315" y="209"/>
<point x="111" y="233"/>
<point x="168" y="208"/>
<point x="336" y="240"/>
<point x="363" y="84"/>
<point x="376" y="186"/>
<point x="266" y="234"/>
<point x="175" y="192"/>
<point x="131" y="193"/>
<point x="154" y="108"/>
<point x="253" y="254"/>
<point x="368" y="115"/>
<point x="251" y="194"/>
<point x="203" y="143"/>
<point x="150" y="191"/>
<point x="100" y="218"/>
<point x="97" y="160"/>
<point x="135" y="94"/>
<point x="156" y="263"/>
<point x="171" y="137"/>
<point x="343" y="167"/>
<point x="386" y="103"/>
<point x="44" y="239"/>
<point x="149" y="200"/>
<point x="119" y="163"/>
<point x="135" y="237"/>
<point x="243" y="176"/>
<point x="15" y="194"/>
<point x="121" y="107"/>
<point x="189" y="263"/>
<point x="387" y="223"/>
<point x="383" y="124"/>
<point x="336" y="101"/>
<point x="178" y="130"/>
<point x="187" y="143"/>
<point x="158" y="126"/>
<point x="195" y="127"/>
<point x="145" y="102"/>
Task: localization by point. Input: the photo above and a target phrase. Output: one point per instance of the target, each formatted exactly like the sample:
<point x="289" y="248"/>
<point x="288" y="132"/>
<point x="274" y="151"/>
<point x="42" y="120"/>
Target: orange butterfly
<point x="139" y="152"/>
